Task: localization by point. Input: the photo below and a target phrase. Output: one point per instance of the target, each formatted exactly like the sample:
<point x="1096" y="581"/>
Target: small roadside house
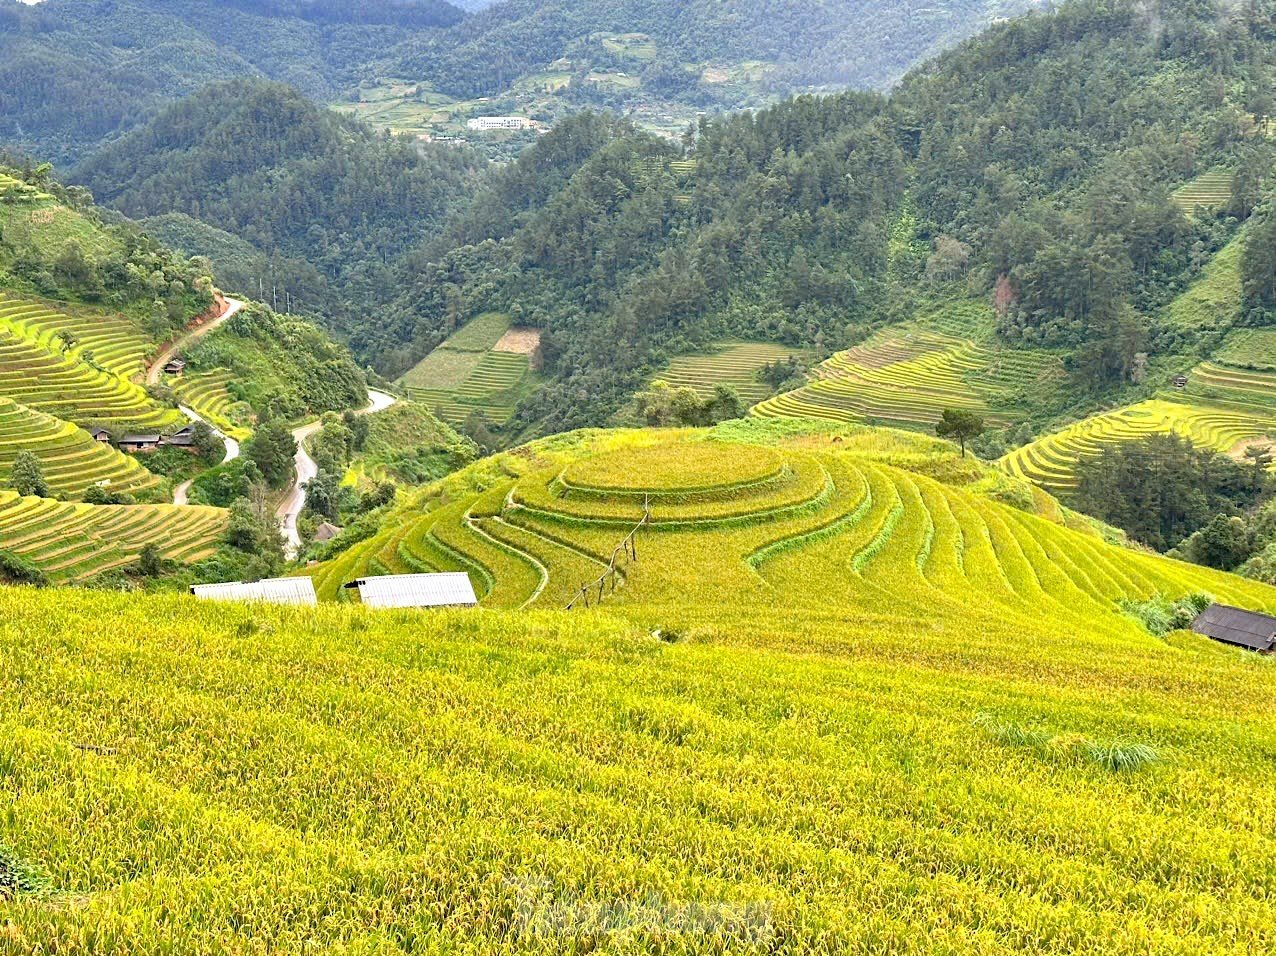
<point x="1180" y="381"/>
<point x="326" y="532"/>
<point x="175" y="367"/>
<point x="136" y="443"/>
<point x="185" y="438"/>
<point x="417" y="590"/>
<point x="1232" y="625"/>
<point x="294" y="591"/>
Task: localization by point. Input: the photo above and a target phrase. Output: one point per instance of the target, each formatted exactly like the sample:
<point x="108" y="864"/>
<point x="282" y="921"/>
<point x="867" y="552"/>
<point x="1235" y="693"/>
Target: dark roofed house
<point x="139" y="442"/>
<point x="1237" y="627"/>
<point x="185" y="438"/>
<point x="1180" y="381"/>
<point x="175" y="367"/>
<point x="101" y="434"/>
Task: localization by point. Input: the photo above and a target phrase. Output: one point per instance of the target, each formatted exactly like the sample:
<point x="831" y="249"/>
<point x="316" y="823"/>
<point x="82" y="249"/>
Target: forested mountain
<point x="865" y="43"/>
<point x="1039" y="158"/>
<point x="74" y="73"/>
<point x="1034" y="164"/>
<point x="327" y="204"/>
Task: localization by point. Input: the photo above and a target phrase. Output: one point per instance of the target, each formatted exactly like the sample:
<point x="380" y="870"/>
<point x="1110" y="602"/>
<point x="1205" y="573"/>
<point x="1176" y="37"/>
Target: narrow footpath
<point x="295" y="500"/>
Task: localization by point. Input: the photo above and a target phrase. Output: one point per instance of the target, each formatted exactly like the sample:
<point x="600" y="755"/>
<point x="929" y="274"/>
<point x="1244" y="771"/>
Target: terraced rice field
<point x="113" y="341"/>
<point x="95" y="389"/>
<point x="531" y="529"/>
<point x="206" y="393"/>
<point x="71" y="542"/>
<point x="1051" y="461"/>
<point x="468" y="373"/>
<point x="15" y="189"/>
<point x="72" y="461"/>
<point x="1248" y="388"/>
<point x="737" y="364"/>
<point x="834" y="706"/>
<point x="1211" y="191"/>
<point x="908" y="377"/>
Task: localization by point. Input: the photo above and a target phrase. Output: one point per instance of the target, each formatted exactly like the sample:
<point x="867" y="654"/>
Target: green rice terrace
<point x="16" y="191"/>
<point x="71" y="460"/>
<point x="1210" y="191"/>
<point x="907" y="376"/>
<point x="737" y="364"/>
<point x="485" y="367"/>
<point x="72" y="542"/>
<point x="86" y="378"/>
<point x="1051" y="461"/>
<point x="841" y="700"/>
<point x="207" y="394"/>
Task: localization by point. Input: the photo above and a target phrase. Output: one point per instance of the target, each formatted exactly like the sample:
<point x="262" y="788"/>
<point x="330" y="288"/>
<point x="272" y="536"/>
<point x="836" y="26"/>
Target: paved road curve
<point x="181" y="492"/>
<point x="306" y="469"/>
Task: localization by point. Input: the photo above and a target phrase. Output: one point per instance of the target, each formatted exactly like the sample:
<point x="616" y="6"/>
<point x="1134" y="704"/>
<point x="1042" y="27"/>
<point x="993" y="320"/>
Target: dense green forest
<point x="1033" y="165"/>
<point x="864" y="43"/>
<point x="76" y="73"/>
<point x="293" y="203"/>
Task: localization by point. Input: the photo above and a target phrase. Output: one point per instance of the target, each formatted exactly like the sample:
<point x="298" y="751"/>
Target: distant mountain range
<point x="74" y="73"/>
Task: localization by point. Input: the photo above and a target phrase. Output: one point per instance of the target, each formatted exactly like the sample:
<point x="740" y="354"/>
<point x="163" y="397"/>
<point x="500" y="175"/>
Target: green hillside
<point x="474" y="372"/>
<point x="841" y="699"/>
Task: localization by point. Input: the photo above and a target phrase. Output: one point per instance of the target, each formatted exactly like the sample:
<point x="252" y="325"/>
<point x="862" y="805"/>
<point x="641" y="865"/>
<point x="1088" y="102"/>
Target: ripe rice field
<point x="532" y="527"/>
<point x="71" y="542"/>
<point x="1211" y="191"/>
<point x="836" y="705"/>
<point x="468" y="374"/>
<point x="907" y="377"/>
<point x="35" y="371"/>
<point x="1051" y="461"/>
<point x="72" y="461"/>
<point x="737" y="364"/>
<point x="206" y="393"/>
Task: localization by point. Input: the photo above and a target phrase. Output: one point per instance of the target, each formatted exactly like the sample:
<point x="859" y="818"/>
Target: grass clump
<point x="1120" y="755"/>
<point x="1161" y="614"/>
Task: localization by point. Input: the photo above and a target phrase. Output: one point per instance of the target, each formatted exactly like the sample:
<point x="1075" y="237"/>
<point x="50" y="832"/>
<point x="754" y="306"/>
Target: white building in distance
<point x="483" y="124"/>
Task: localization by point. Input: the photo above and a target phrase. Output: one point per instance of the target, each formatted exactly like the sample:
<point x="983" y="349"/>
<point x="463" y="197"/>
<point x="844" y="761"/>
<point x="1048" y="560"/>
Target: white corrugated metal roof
<point x="417" y="590"/>
<point x="272" y="591"/>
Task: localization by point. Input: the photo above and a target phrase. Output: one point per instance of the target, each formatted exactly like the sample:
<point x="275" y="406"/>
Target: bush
<point x="1160" y="615"/>
<point x="15" y="569"/>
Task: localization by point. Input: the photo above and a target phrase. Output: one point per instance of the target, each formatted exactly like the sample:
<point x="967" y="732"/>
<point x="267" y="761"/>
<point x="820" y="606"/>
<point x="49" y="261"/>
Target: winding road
<point x="175" y="348"/>
<point x="182" y="491"/>
<point x="295" y="500"/>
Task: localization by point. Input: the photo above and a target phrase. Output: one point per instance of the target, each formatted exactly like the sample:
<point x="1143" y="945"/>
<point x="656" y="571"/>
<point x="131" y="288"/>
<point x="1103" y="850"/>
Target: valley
<point x="617" y="477"/>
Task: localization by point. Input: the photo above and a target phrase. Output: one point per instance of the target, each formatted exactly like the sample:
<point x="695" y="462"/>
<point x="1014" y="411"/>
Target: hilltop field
<point x="844" y="698"/>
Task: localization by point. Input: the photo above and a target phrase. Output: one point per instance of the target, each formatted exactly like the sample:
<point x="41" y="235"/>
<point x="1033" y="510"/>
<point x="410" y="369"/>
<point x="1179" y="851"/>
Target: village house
<point x="1240" y="628"/>
<point x="140" y="443"/>
<point x="488" y="123"/>
<point x="326" y="532"/>
<point x="185" y="438"/>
